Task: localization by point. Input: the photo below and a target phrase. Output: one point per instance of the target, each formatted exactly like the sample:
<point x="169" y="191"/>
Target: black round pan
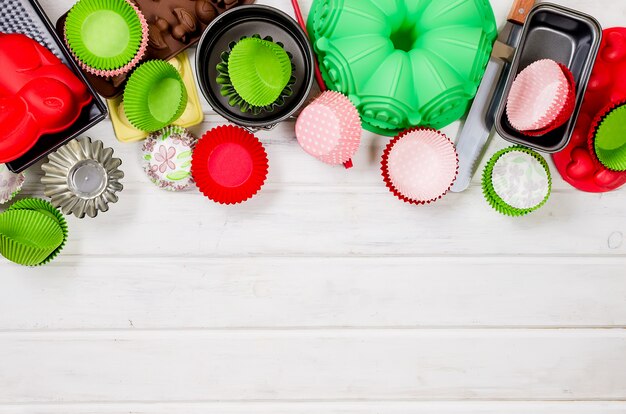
<point x="247" y="21"/>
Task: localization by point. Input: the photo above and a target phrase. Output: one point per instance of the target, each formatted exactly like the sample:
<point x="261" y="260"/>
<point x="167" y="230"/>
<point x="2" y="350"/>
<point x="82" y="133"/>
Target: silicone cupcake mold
<point x="419" y="166"/>
<point x="167" y="158"/>
<point x="516" y="181"/>
<point x="10" y="184"/>
<point x="329" y="128"/>
<point x="541" y="98"/>
<point x="607" y="139"/>
<point x="235" y="99"/>
<point x="107" y="37"/>
<point x="576" y="162"/>
<point x="193" y="115"/>
<point x="82" y="178"/>
<point x="406" y="63"/>
<point x="155" y="96"/>
<point x="44" y="207"/>
<point x="229" y="165"/>
<point x="39" y="95"/>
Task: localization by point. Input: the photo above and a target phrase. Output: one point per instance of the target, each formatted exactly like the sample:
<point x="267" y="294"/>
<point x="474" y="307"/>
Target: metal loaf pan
<point x="27" y="17"/>
<point x="566" y="36"/>
<point x="247" y="21"/>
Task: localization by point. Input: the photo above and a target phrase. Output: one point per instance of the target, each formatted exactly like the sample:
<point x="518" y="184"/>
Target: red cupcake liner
<point x="229" y="165"/>
<point x="387" y="177"/>
<point x="566" y="111"/>
<point x="595" y="124"/>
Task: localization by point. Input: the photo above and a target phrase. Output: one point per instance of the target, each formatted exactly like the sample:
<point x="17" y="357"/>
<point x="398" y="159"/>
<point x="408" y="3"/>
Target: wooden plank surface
<point x="323" y="294"/>
<point x="262" y="293"/>
<point x="305" y="365"/>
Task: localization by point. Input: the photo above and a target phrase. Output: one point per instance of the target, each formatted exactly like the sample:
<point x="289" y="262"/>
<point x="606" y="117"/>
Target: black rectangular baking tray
<point x="27" y="17"/>
<point x="566" y="36"/>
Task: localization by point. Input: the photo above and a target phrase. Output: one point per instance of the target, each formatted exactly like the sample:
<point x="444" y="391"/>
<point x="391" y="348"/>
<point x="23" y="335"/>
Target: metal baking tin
<point x="247" y="21"/>
<point x="27" y="17"/>
<point x="566" y="36"/>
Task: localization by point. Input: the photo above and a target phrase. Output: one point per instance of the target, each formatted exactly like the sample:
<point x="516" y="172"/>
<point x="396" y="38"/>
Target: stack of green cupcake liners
<point x="492" y="197"/>
<point x="101" y="52"/>
<point x="32" y="232"/>
<point x="247" y="100"/>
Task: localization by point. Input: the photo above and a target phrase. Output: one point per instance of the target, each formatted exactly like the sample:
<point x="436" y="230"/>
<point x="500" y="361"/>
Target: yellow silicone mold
<point x="193" y="114"/>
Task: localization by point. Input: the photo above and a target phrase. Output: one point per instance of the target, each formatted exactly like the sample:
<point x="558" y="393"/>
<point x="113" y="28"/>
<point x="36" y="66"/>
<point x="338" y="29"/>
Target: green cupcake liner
<point x="492" y="197"/>
<point x="104" y="34"/>
<point x="234" y="99"/>
<point x="28" y="237"/>
<point x="155" y="96"/>
<point x="259" y="70"/>
<point x="44" y="207"/>
<point x="610" y="139"/>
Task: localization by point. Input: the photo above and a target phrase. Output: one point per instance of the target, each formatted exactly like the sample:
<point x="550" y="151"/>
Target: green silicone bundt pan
<point x="404" y="63"/>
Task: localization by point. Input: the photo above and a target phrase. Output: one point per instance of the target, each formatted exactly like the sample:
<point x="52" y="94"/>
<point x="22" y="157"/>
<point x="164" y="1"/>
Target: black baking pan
<point x="247" y="21"/>
<point x="27" y="17"/>
<point x="565" y="36"/>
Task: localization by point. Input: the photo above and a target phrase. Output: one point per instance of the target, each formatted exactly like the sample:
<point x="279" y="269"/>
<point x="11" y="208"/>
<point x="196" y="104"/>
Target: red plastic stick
<point x="318" y="74"/>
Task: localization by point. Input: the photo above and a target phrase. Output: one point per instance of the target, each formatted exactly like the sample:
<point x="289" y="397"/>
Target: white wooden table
<point x="322" y="294"/>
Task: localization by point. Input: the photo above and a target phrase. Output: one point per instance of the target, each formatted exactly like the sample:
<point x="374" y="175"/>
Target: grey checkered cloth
<point x="19" y="16"/>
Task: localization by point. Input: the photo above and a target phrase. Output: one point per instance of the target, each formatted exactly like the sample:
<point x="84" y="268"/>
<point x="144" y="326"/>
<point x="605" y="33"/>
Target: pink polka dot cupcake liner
<point x="329" y="129"/>
<point x="542" y="98"/>
<point x="420" y="165"/>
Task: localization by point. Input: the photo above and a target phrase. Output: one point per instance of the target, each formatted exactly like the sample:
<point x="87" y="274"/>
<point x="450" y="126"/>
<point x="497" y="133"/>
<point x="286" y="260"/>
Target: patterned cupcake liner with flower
<point x="10" y="184"/>
<point x="614" y="160"/>
<point x="44" y="207"/>
<point x="167" y="158"/>
<point x="123" y="69"/>
<point x="234" y="99"/>
<point x="530" y="196"/>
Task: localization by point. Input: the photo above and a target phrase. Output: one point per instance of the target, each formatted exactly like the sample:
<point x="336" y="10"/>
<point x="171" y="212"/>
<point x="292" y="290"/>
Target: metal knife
<point x="478" y="126"/>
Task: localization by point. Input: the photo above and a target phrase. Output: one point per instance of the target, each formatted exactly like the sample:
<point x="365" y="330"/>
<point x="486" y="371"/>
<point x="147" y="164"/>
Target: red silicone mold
<point x="607" y="85"/>
<point x="38" y="95"/>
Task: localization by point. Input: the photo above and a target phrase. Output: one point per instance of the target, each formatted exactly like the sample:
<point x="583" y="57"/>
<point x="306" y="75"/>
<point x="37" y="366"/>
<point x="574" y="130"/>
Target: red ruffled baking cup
<point x="566" y="111"/>
<point x="141" y="52"/>
<point x="537" y="97"/>
<point x="329" y="129"/>
<point x="420" y="165"/>
<point x="229" y="165"/>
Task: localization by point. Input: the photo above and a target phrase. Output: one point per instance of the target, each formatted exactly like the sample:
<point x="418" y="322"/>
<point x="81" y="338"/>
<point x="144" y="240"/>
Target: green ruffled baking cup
<point x="44" y="207"/>
<point x="234" y="99"/>
<point x="104" y="34"/>
<point x="29" y="237"/>
<point x="155" y="96"/>
<point x="610" y="139"/>
<point x="259" y="70"/>
<point x="495" y="200"/>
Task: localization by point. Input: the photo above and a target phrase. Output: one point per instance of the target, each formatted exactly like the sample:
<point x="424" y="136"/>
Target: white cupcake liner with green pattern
<point x="516" y="181"/>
